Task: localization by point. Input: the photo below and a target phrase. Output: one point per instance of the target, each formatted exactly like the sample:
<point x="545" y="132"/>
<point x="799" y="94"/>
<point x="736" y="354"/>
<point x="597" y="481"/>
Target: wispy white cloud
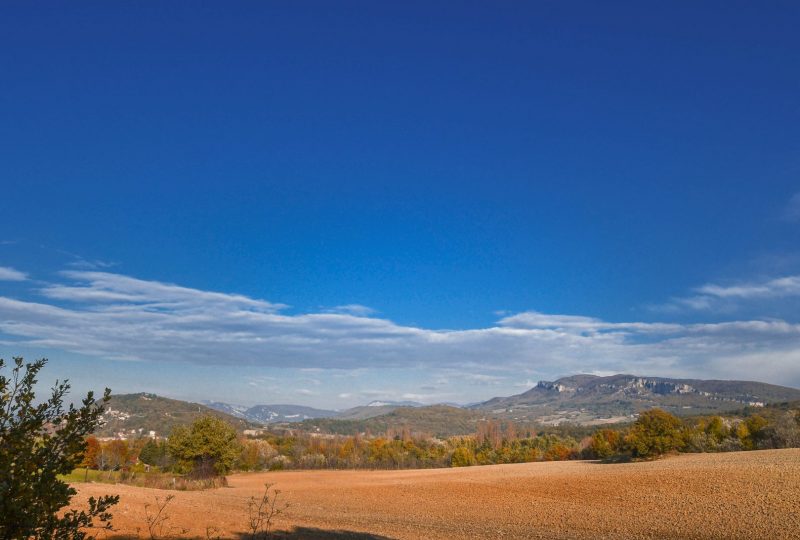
<point x="792" y="210"/>
<point x="726" y="298"/>
<point x="576" y="323"/>
<point x="260" y="380"/>
<point x="118" y="317"/>
<point x="90" y="264"/>
<point x="484" y="378"/>
<point x="77" y="260"/>
<point x="375" y="393"/>
<point x="122" y="291"/>
<point x="10" y="274"/>
<point x="779" y="287"/>
<point x="352" y="309"/>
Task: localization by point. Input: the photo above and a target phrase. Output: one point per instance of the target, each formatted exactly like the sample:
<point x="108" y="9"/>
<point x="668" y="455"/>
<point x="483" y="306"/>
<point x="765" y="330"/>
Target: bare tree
<point x="262" y="511"/>
<point x="157" y="522"/>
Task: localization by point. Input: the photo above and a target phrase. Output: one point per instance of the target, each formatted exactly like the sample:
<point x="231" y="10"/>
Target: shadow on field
<point x="297" y="533"/>
<point x="613" y="460"/>
<point x="320" y="534"/>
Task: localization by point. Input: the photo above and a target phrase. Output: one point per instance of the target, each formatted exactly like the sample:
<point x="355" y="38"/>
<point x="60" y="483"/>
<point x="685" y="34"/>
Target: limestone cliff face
<point x="557" y="387"/>
<point x="623" y="395"/>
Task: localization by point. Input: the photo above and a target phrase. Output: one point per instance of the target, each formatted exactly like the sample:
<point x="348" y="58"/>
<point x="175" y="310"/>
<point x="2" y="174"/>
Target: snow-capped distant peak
<point x="379" y="403"/>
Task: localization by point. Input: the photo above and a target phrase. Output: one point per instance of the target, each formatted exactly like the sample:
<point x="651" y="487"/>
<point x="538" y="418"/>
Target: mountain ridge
<point x="586" y="398"/>
<point x="272" y="413"/>
<point x="279" y="413"/>
<point x="581" y="399"/>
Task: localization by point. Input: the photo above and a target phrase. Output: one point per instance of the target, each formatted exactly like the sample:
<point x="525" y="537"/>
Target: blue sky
<point x="431" y="201"/>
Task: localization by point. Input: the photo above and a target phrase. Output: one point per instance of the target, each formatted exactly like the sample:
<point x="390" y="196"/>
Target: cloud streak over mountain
<point x="118" y="317"/>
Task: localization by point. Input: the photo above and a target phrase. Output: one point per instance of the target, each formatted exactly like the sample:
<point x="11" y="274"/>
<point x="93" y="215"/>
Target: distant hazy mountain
<point x="239" y="411"/>
<point x="395" y="404"/>
<point x="272" y="414"/>
<point x="593" y="399"/>
<point x="375" y="408"/>
<point x="139" y="414"/>
<point x="269" y="414"/>
<point x="437" y="420"/>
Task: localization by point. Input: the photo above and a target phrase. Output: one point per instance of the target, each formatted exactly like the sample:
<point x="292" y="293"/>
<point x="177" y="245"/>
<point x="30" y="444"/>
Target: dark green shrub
<point x="39" y="442"/>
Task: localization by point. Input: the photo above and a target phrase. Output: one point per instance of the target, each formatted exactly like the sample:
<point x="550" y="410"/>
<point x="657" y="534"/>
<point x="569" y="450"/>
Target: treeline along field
<point x="210" y="447"/>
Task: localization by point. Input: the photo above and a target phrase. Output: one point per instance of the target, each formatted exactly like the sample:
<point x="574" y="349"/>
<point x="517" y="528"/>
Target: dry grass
<point x="735" y="495"/>
<point x="159" y="480"/>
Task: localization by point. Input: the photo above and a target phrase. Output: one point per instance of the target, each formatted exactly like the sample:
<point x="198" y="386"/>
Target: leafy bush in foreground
<point x="39" y="442"/>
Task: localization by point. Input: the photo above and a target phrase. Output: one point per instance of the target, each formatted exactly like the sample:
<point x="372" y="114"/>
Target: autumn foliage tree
<point x="605" y="443"/>
<point x="91" y="455"/>
<point x="462" y="457"/>
<point x="116" y="454"/>
<point x="654" y="433"/>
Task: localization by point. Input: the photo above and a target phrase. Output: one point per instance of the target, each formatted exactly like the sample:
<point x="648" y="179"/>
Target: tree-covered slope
<point x="138" y="414"/>
<point x="436" y="420"/>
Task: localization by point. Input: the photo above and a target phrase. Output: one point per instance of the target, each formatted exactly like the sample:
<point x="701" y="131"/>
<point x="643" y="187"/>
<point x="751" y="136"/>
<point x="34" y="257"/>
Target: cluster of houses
<point x="131" y="434"/>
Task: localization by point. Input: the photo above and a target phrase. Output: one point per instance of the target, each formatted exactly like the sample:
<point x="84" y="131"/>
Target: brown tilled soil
<point x="736" y="495"/>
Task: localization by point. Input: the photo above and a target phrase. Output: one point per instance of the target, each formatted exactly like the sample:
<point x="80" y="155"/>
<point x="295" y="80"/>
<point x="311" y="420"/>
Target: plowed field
<point x="735" y="495"/>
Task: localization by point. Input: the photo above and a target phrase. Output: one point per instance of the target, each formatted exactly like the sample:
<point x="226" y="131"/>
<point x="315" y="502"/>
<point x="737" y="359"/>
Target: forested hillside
<point x="138" y="414"/>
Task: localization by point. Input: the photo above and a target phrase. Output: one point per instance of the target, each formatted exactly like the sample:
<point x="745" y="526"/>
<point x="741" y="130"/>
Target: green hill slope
<point x="437" y="420"/>
<point x="139" y="414"/>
